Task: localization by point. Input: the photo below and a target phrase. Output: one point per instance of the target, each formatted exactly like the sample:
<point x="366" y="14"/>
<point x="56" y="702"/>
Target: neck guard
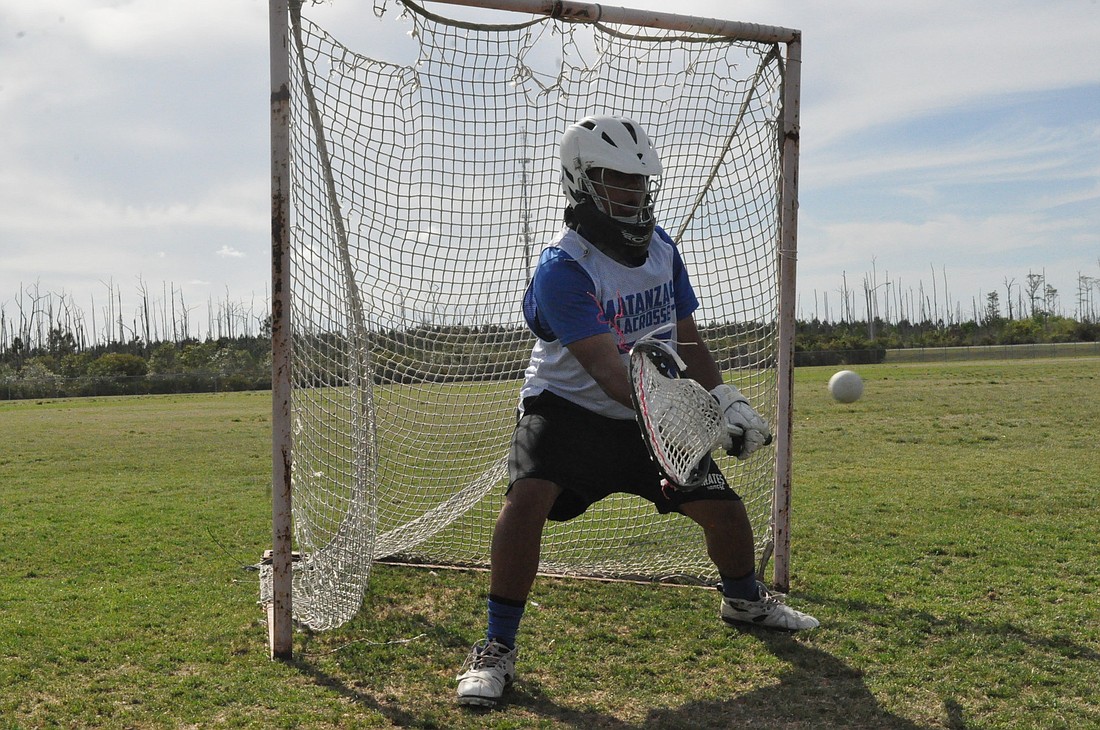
<point x="609" y="235"/>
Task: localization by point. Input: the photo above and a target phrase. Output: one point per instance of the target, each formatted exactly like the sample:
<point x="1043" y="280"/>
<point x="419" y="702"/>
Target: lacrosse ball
<point x="846" y="386"/>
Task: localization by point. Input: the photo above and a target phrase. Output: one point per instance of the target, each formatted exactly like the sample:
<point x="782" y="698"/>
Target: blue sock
<point x="744" y="588"/>
<point x="504" y="618"/>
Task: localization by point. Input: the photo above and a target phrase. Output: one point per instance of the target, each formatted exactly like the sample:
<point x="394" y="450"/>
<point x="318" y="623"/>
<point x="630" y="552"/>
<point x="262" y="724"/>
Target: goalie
<point x="609" y="279"/>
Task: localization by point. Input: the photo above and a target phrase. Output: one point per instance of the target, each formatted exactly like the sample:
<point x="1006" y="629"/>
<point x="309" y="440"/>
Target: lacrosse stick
<point x="680" y="420"/>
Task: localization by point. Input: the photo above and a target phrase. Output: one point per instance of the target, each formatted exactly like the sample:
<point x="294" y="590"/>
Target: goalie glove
<point x="746" y="430"/>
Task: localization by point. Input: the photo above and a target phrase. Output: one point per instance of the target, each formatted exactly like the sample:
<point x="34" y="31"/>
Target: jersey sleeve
<point x="686" y="301"/>
<point x="560" y="303"/>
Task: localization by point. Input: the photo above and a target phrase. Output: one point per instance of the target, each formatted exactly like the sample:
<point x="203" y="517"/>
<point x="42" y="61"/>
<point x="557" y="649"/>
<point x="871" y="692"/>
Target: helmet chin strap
<point x="612" y="237"/>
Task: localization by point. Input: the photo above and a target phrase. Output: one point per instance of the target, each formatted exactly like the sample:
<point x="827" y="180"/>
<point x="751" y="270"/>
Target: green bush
<point x="197" y="356"/>
<point x="164" y="359"/>
<point x="76" y="364"/>
<point x="117" y="363"/>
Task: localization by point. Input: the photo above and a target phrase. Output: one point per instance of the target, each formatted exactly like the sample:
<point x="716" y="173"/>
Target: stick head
<point x="679" y="419"/>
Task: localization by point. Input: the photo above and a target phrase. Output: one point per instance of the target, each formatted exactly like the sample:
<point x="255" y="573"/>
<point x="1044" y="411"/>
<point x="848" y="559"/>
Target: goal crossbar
<point x="596" y="13"/>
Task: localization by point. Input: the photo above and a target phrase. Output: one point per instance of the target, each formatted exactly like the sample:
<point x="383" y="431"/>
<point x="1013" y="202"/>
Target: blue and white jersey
<point x="578" y="291"/>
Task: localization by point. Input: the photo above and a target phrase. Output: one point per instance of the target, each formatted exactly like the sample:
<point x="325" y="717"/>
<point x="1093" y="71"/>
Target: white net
<point x="422" y="192"/>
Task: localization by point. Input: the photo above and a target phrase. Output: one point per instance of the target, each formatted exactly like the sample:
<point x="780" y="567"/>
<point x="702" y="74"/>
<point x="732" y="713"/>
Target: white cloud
<point x="867" y="64"/>
<point x="1013" y="153"/>
<point x="41" y="203"/>
<point x="230" y="253"/>
<point x="141" y="28"/>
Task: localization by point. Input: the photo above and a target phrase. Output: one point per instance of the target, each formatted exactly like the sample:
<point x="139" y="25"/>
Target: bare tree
<point x="175" y="332"/>
<point x="845" y="306"/>
<point x="1009" y="283"/>
<point x="1050" y="299"/>
<point x="992" y="307"/>
<point x="33" y="335"/>
<point x="185" y="319"/>
<point x="1034" y="286"/>
<point x="947" y="300"/>
<point x="121" y="325"/>
<point x="1084" y="297"/>
<point x="95" y="333"/>
<point x="143" y="290"/>
<point x="935" y="299"/>
<point x="108" y="311"/>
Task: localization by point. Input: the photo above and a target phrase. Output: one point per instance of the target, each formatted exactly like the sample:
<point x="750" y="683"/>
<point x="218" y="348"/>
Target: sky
<point x="953" y="146"/>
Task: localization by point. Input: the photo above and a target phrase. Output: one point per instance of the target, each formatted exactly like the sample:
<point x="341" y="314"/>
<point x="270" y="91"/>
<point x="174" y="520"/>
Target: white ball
<point x="846" y="386"/>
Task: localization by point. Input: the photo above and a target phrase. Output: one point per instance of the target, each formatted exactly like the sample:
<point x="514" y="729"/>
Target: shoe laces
<point x="769" y="597"/>
<point x="485" y="655"/>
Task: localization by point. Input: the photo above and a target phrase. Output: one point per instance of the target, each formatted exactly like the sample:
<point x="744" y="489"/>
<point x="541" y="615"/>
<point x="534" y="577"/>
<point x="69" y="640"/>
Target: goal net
<point x="423" y="184"/>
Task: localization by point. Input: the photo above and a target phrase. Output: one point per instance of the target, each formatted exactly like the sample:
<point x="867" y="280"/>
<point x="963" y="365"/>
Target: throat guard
<point x="627" y="244"/>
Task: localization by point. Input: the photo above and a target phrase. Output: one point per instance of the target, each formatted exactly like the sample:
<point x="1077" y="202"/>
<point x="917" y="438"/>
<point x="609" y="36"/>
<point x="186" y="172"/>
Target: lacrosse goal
<point x="414" y="183"/>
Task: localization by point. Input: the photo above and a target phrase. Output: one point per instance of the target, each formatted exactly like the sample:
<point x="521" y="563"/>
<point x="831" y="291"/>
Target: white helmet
<point x="609" y="143"/>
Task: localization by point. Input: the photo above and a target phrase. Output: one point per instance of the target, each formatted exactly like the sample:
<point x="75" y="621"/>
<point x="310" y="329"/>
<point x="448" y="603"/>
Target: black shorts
<point x="591" y="456"/>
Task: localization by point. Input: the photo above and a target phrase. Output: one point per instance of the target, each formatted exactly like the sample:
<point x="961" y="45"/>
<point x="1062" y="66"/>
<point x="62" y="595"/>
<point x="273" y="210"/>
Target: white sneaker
<point x="490" y="668"/>
<point x="769" y="610"/>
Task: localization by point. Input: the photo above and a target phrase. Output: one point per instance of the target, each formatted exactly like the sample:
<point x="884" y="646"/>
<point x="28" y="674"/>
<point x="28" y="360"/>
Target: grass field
<point x="945" y="531"/>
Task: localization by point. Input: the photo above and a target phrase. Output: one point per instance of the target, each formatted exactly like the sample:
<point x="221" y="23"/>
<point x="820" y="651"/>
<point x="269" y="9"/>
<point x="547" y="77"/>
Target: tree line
<point x="837" y="343"/>
<point x="50" y="347"/>
<point x="61" y="369"/>
<point x="58" y="365"/>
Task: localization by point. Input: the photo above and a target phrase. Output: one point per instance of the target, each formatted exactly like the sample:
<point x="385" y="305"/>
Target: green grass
<point x="944" y="531"/>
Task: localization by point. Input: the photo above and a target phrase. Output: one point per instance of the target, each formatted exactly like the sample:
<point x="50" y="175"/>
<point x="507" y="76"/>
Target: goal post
<point x="414" y="184"/>
<point x="279" y="603"/>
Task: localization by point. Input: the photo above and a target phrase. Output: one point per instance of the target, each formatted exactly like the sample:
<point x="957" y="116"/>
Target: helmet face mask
<point x="609" y="168"/>
<point x="626" y="198"/>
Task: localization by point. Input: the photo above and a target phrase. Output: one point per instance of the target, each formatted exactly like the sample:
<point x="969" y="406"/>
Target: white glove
<point x="746" y="430"/>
